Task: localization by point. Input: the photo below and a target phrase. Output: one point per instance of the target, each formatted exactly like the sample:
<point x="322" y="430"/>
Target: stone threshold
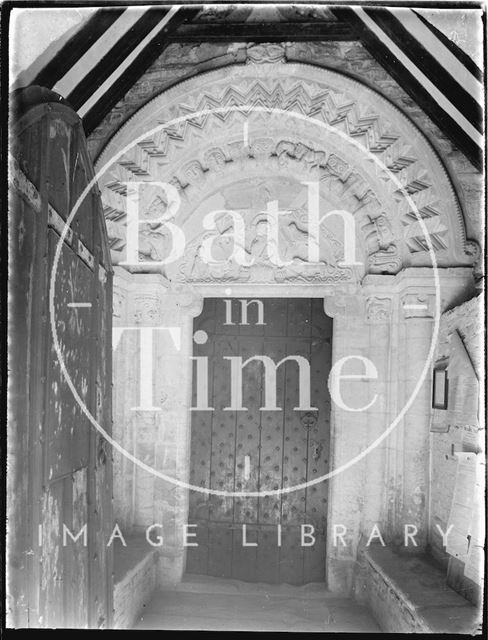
<point x="417" y="589"/>
<point x="196" y="583"/>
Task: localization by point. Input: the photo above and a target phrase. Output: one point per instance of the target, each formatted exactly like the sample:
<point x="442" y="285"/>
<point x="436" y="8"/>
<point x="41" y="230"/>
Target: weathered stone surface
<point x="464" y="319"/>
<point x="410" y="595"/>
<point x="180" y="61"/>
<point x="389" y="319"/>
<point x="134" y="581"/>
<point x="324" y="127"/>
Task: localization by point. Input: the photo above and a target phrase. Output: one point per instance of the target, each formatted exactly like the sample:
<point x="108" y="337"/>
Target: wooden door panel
<point x="222" y="458"/>
<point x="295" y="440"/>
<point x="220" y="536"/>
<point x="64" y="462"/>
<point x="299" y="318"/>
<point x="245" y="558"/>
<point x="269" y="507"/>
<point x="67" y="427"/>
<point x="197" y="557"/>
<point x="82" y="223"/>
<point x="202" y="421"/>
<point x="313" y="560"/>
<point x="100" y="476"/>
<point x="75" y="579"/>
<point x="248" y="435"/>
<point x="318" y="440"/>
<point x="291" y="556"/>
<point x="51" y="592"/>
<point x="275" y="317"/>
<point x="61" y="139"/>
<point x="321" y="325"/>
<point x="268" y="555"/>
<point x="254" y="449"/>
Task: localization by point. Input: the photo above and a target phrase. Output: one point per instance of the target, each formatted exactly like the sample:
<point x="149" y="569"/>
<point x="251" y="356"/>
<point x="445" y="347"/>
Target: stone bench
<point x="135" y="575"/>
<point x="409" y="594"/>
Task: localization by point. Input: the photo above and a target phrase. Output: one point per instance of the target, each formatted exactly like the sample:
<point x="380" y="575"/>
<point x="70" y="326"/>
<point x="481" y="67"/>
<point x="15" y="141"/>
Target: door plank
<point x="245" y="558"/>
<point x="248" y="433"/>
<point x="220" y="537"/>
<point x="268" y="555"/>
<point x="269" y="507"/>
<point x="197" y="557"/>
<point x="291" y="555"/>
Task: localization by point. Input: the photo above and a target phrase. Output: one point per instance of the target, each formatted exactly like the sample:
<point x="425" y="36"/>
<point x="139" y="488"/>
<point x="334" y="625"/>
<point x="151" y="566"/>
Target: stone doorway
<point x="274" y="538"/>
<point x="383" y="303"/>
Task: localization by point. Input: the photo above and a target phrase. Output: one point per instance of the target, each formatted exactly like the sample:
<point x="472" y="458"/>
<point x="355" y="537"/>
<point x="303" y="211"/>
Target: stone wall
<point x="388" y="487"/>
<point x="410" y="595"/>
<point x="134" y="590"/>
<point x="391" y="486"/>
<point x="147" y="492"/>
<point x="467" y="320"/>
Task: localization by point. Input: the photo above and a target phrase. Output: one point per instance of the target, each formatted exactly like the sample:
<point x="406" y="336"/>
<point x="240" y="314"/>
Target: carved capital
<point x="378" y="309"/>
<point x="418" y="305"/>
<point x="147" y="310"/>
<point x="472" y="250"/>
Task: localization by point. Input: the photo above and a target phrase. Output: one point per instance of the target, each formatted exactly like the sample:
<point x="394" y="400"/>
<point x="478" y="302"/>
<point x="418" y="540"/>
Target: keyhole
<point x="247" y="467"/>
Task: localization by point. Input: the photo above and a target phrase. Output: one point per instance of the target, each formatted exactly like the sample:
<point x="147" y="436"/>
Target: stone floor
<point x="213" y="604"/>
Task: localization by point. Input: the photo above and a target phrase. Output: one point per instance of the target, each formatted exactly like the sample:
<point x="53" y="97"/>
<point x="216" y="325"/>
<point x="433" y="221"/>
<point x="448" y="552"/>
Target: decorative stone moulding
<point x="265" y="53"/>
<point x="411" y="294"/>
<point x="322" y="126"/>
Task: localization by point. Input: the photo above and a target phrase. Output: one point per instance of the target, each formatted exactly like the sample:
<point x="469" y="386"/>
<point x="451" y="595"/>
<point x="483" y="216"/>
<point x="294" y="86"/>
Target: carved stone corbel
<point x="342" y="305"/>
<point x="188" y="300"/>
<point x="118" y="304"/>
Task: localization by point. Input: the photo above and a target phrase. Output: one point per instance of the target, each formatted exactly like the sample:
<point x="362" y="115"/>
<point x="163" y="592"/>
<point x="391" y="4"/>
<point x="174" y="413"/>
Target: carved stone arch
<point x="365" y="153"/>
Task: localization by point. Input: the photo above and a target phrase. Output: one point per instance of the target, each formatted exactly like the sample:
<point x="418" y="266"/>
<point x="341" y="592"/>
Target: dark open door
<point x="59" y="466"/>
<point x="254" y="450"/>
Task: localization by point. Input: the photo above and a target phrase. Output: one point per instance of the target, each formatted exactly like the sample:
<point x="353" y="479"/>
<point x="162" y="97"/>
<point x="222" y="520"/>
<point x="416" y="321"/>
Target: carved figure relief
<point x="382" y="249"/>
<point x="285" y="260"/>
<point x="194" y="172"/>
<point x="285" y="150"/>
<point x="154" y="239"/>
<point x="328" y="97"/>
<point x="215" y="159"/>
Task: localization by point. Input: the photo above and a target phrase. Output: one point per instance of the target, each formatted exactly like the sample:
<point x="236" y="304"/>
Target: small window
<point x="440" y="387"/>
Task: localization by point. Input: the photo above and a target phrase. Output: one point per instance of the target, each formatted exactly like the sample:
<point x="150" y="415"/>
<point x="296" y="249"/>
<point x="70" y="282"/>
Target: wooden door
<point x="255" y="450"/>
<point x="60" y="467"/>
